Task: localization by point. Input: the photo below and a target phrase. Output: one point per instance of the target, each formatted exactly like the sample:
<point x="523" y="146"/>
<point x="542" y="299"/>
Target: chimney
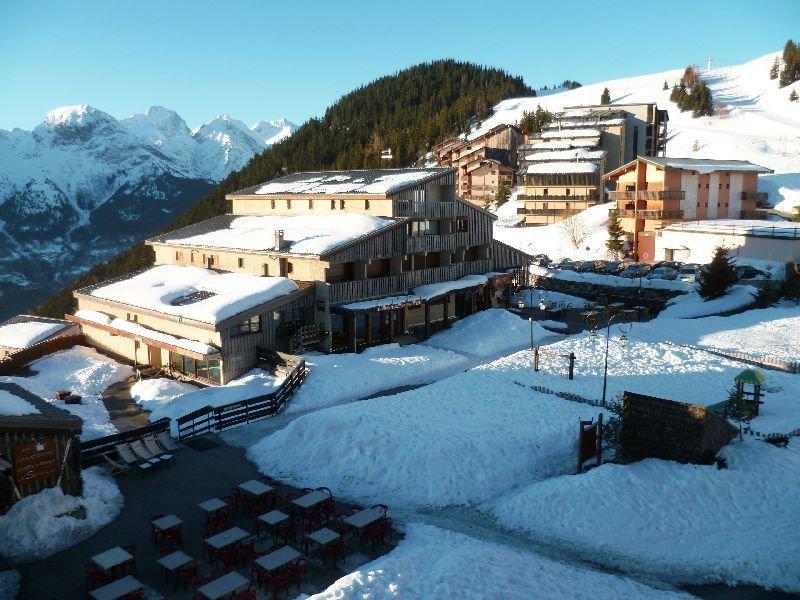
<point x="278" y="239"/>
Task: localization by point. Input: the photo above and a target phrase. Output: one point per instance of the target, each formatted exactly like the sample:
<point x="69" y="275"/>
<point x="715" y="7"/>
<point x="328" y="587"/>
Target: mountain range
<point x="84" y="185"/>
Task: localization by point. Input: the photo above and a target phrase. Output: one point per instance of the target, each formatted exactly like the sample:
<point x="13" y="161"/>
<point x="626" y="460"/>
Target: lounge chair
<point x="152" y="445"/>
<point x="166" y="441"/>
<point x="140" y="451"/>
<point x="117" y="468"/>
<point x="129" y="458"/>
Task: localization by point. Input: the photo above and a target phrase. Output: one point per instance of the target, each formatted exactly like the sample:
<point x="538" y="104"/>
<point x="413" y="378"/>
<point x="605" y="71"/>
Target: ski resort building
<point x="335" y="260"/>
<point x="483" y="161"/>
<point x="24" y="331"/>
<point x="654" y="192"/>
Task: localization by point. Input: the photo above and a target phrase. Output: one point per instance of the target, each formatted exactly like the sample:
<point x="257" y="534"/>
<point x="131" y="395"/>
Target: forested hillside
<point x="407" y="112"/>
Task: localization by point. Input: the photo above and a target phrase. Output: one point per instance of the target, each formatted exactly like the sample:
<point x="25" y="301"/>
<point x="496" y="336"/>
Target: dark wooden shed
<point x="38" y="450"/>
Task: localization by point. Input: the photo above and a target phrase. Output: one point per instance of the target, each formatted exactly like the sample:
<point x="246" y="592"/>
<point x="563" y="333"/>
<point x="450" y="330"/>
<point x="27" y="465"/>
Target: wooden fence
<point x="212" y="419"/>
<point x="763" y="362"/>
<point x="13" y="362"/>
<point x="92" y="450"/>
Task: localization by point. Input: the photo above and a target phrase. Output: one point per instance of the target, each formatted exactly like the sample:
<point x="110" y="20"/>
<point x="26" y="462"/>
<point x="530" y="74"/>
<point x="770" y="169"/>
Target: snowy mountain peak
<point x="272" y="132"/>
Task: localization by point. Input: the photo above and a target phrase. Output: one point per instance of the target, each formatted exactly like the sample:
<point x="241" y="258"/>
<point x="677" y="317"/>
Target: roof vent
<point x="278" y="239"/>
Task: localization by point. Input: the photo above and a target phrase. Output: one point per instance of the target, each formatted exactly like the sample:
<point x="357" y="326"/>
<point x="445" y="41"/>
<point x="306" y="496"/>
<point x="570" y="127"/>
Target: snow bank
<point x="84" y="371"/>
<point x="195" y="293"/>
<point x="460" y="440"/>
<point x="38" y="525"/>
<point x="346" y="182"/>
<point x="434" y="563"/>
<point x="489" y="333"/>
<point x="306" y="234"/>
<point x="11" y="404"/>
<point x="689" y="523"/>
<point x="337" y="378"/>
<point x="691" y="305"/>
<point x="155" y="394"/>
<point x="23" y="335"/>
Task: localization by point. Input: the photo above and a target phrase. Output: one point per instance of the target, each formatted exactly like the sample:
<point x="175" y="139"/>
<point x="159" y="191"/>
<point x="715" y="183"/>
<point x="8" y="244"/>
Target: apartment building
<point x="483" y="159"/>
<point x="654" y="192"/>
<point x="335" y="260"/>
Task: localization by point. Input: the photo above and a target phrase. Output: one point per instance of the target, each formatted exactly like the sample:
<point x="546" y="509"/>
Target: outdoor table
<point x="227" y="537"/>
<point x="212" y="505"/>
<point x="364" y="517"/>
<point x="223" y="586"/>
<point x="255" y="488"/>
<point x="278" y="558"/>
<point x="110" y="559"/>
<point x="311" y="499"/>
<point x="117" y="589"/>
<point x="166" y="522"/>
<point x="174" y="561"/>
<point x="323" y="536"/>
<point x="271" y="520"/>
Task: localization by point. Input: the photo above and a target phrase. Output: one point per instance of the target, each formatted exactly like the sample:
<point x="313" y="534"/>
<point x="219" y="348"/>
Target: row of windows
<point x="251" y="325"/>
<point x="211" y="260"/>
<point x="342" y="204"/>
<point x="210" y="370"/>
<point x="706" y="205"/>
<point x="420" y="228"/>
<point x="727" y="186"/>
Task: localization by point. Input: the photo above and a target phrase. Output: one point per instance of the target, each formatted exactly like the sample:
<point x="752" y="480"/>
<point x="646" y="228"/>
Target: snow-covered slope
<point x="71" y="189"/>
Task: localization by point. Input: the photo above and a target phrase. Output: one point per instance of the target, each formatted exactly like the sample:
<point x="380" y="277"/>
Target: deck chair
<point x="131" y="460"/>
<point x="152" y="445"/>
<point x="166" y="441"/>
<point x="138" y="448"/>
<point x="117" y="468"/>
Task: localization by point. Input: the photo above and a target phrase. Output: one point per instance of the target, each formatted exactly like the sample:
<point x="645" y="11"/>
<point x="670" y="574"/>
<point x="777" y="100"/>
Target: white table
<point x="323" y="536"/>
<point x="111" y="558"/>
<point x="273" y="517"/>
<point x="278" y="558"/>
<point x="364" y="517"/>
<point x="166" y="522"/>
<point x="223" y="586"/>
<point x="174" y="561"/>
<point x="117" y="589"/>
<point x="311" y="499"/>
<point x="227" y="537"/>
<point x="212" y="505"/>
<point x="255" y="488"/>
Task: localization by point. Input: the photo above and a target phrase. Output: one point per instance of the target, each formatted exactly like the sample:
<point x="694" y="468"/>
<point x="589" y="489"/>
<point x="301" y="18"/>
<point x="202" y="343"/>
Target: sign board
<point x="503" y="279"/>
<point x="34" y="461"/>
<point x="590" y="441"/>
<point x="645" y="255"/>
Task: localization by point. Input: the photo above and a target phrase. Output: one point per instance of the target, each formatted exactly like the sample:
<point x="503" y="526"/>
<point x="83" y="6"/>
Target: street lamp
<point x="623" y="341"/>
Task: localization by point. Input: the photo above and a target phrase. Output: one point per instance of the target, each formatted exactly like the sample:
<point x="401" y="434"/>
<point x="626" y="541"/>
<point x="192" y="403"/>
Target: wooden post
<point x="427" y="319"/>
<point x="391" y="325"/>
<point x="353" y="341"/>
<point x="368" y="326"/>
<point x="571" y="364"/>
<point x="536" y="358"/>
<point x="599" y="446"/>
<point x="756" y="398"/>
<point x="446" y="309"/>
<point x="471" y="302"/>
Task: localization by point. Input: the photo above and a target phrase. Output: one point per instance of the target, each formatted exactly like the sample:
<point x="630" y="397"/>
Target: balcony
<point x="548" y="212"/>
<point x="757" y="196"/>
<point x="585" y="198"/>
<point x="447" y="241"/>
<point x="657" y="215"/>
<point x="446" y="210"/>
<point x="647" y="195"/>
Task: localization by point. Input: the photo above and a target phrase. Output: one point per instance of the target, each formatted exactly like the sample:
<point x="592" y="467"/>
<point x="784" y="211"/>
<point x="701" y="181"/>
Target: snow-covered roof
<point x="11" y="404"/>
<point x="565" y="155"/>
<point x="560" y="167"/>
<point x="423" y="292"/>
<point x="195" y="293"/>
<point x="302" y="234"/>
<point x="372" y="181"/>
<point x="585" y="124"/>
<point x="27" y="331"/>
<point x="145" y="332"/>
<point x="564" y="144"/>
<point x="707" y="165"/>
<point x="570" y="133"/>
<point x="753" y="227"/>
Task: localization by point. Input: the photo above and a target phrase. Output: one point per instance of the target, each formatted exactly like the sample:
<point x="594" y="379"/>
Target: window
<point x="341" y="204"/>
<point x="210" y="370"/>
<point x="333" y="204"/>
<point x="366" y="204"/>
<point x="706" y="186"/>
<point x="251" y="325"/>
<point x="699" y="185"/>
<point x="188" y="365"/>
<point x="727" y="186"/>
<point x="132" y="318"/>
<point x="289" y="267"/>
<point x="718" y="204"/>
<point x="191" y="257"/>
<point x="460" y="225"/>
<point x="720" y="186"/>
<point x="272" y="203"/>
<point x="289" y="204"/>
<point x="310" y="204"/>
<point x="178" y="256"/>
<point x="567" y="192"/>
<point x="544" y="192"/>
<point x="266" y="270"/>
<point x="241" y="262"/>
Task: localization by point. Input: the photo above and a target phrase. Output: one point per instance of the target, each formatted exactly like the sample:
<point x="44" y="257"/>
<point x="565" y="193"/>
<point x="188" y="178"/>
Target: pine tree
<point x="793" y="96"/>
<point x="791" y="285"/>
<point x="503" y="193"/>
<point x="605" y="97"/>
<point x="774" y="69"/>
<point x="717" y="276"/>
<point x="534" y="122"/>
<point x="666" y="85"/>
<point x="737" y="409"/>
<point x="615" y="233"/>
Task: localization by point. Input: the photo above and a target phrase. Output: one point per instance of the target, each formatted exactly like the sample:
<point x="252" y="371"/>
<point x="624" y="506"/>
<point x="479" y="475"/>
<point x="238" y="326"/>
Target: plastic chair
<point x="297" y="572"/>
<point x="278" y="583"/>
<point x="130" y="564"/>
<point x="155" y="534"/>
<point x="186" y="575"/>
<point x="95" y="577"/>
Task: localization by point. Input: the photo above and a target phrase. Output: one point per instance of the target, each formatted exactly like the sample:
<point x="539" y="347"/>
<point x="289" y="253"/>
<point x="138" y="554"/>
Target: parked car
<point x="632" y="271"/>
<point x="672" y="264"/>
<point x="689" y="273"/>
<point x="541" y="260"/>
<point x="586" y="266"/>
<point x="748" y="272"/>
<point x="664" y="273"/>
<point x="568" y="265"/>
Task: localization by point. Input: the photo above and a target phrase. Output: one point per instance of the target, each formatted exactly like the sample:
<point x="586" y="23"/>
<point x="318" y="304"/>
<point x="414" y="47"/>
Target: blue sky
<point x="257" y="60"/>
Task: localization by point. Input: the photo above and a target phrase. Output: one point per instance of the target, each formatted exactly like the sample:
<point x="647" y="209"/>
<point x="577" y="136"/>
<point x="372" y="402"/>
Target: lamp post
<point x="623" y="341"/>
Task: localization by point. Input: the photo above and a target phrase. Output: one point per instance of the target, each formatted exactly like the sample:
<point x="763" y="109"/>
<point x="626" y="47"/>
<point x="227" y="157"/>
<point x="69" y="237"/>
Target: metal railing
<point x="549" y="211"/>
<point x="757" y="196"/>
<point x="583" y="198"/>
<point x="648" y="214"/>
<point x="775" y="231"/>
<point x="92" y="450"/>
<point x="647" y="195"/>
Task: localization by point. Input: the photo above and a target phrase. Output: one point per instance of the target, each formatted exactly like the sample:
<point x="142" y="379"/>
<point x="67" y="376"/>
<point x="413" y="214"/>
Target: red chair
<point x="129" y="566"/>
<point x="247" y="553"/>
<point x="95" y="577"/>
<point x="248" y="594"/>
<point x="187" y="575"/>
<point x="297" y="572"/>
<point x="154" y="532"/>
<point x="173" y="536"/>
<point x="229" y="558"/>
<point x="336" y="550"/>
<point x="198" y="582"/>
<point x="137" y="595"/>
<point x="277" y="583"/>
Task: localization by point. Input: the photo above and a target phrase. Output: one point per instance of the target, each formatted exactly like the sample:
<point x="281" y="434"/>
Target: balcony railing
<point x="447" y="241"/>
<point x="757" y="196"/>
<point x="585" y="198"/>
<point x="647" y="195"/>
<point x="546" y="212"/>
<point x="410" y="208"/>
<point x="662" y="215"/>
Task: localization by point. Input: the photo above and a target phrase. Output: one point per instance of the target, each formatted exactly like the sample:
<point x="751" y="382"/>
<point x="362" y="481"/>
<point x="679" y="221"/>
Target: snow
<point x="28" y="333"/>
<point x="570" y="133"/>
<point x="231" y="293"/>
<point x="435" y="563"/>
<point x="560" y="167"/>
<point x="574" y="154"/>
<point x="706" y="165"/>
<point x="423" y="292"/>
<point x="563" y="144"/>
<point x="172" y="399"/>
<point x="11" y="404"/>
<point x="456" y="441"/>
<point x="346" y="182"/>
<point x="760" y="125"/>
<point x="9" y="584"/>
<point x="686" y="523"/>
<point x="38" y="525"/>
<point x="691" y="305"/>
<point x="84" y="371"/>
<point x="308" y="234"/>
<point x="337" y="378"/>
<point x="612" y="280"/>
<point x="145" y="332"/>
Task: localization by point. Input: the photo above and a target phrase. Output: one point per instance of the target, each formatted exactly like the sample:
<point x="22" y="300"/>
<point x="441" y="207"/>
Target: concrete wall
<point x="325" y="204"/>
<point x="699" y="247"/>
